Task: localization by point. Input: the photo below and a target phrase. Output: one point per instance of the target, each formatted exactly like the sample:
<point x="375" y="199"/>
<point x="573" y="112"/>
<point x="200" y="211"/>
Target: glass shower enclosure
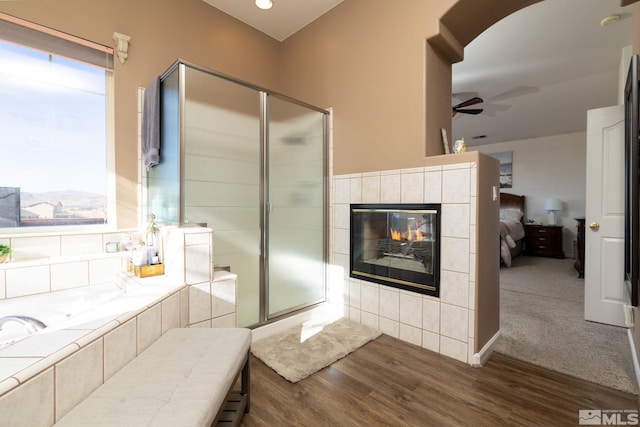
<point x="251" y="165"/>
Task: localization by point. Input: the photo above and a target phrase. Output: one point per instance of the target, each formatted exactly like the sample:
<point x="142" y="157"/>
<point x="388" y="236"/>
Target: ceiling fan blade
<point x="473" y="111"/>
<point x="473" y="101"/>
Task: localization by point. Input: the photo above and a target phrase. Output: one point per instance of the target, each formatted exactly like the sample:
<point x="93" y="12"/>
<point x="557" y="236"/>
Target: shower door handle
<point x="269" y="207"/>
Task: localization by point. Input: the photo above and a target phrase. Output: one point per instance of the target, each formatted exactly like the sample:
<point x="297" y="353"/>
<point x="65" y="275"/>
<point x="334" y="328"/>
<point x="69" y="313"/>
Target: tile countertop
<point x="32" y="355"/>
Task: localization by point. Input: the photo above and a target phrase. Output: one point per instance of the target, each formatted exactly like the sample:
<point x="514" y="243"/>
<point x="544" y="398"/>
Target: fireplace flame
<point x="395" y="235"/>
<point x="410" y="235"/>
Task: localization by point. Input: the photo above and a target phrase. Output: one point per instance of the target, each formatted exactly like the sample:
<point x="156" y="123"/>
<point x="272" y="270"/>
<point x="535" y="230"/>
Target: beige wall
<point x="373" y="61"/>
<point x="161" y="31"/>
<point x="488" y="258"/>
<point x="368" y="59"/>
<point x="365" y="59"/>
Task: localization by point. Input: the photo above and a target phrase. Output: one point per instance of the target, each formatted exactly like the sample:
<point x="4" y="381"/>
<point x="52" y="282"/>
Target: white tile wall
<point x="149" y="325"/>
<point x="454" y="288"/>
<point x="171" y="312"/>
<point x="102" y="270"/>
<point x="411" y="309"/>
<point x="198" y="263"/>
<point x="411" y="187"/>
<point x="199" y="303"/>
<point x="76" y="377"/>
<point x="223" y="295"/>
<point x="370" y="189"/>
<point x="35" y="399"/>
<point x="370" y="298"/>
<point x="390" y="189"/>
<point x="79" y="244"/>
<point x="35" y="247"/>
<point x="46" y="381"/>
<point x="54" y="262"/>
<point x="27" y="281"/>
<point x="120" y="347"/>
<point x="445" y="324"/>
<point x="69" y="275"/>
<point x="390" y="303"/>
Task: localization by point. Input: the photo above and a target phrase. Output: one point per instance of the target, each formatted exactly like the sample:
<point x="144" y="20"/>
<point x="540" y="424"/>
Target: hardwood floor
<point x="389" y="382"/>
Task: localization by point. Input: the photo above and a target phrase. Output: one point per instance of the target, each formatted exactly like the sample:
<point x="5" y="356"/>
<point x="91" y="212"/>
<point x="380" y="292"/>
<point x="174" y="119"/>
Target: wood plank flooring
<point x="389" y="382"/>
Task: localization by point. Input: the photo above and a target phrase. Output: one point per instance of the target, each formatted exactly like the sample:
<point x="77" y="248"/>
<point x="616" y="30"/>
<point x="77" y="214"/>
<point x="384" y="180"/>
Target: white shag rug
<point x="299" y="352"/>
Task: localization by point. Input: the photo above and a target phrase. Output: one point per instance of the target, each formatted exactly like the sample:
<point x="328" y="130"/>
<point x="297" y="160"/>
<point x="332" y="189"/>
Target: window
<point x="55" y="93"/>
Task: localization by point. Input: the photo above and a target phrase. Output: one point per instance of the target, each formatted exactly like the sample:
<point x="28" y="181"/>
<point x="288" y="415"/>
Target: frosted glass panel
<point x="222" y="177"/>
<point x="228" y="151"/>
<point x="296" y="193"/>
<point x="163" y="180"/>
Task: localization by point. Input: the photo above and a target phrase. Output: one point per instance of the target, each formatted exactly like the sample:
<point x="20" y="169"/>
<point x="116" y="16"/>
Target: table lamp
<point x="552" y="206"/>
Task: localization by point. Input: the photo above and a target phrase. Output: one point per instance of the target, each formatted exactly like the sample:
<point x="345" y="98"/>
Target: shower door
<point x="250" y="165"/>
<point x="222" y="176"/>
<point x="295" y="206"/>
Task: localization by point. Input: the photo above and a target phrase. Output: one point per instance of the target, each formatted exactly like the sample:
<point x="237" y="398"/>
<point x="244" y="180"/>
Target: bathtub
<point x="56" y="310"/>
<point x="73" y="318"/>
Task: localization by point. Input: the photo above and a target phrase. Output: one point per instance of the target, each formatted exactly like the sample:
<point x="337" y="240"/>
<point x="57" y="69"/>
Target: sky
<point x="52" y="123"/>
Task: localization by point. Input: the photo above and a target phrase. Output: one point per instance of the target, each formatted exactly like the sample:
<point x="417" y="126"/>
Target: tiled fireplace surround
<point x="447" y="324"/>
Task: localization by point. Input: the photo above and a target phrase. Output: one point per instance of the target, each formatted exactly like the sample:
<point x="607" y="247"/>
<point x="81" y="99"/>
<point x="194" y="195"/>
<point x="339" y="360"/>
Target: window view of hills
<point x="24" y="209"/>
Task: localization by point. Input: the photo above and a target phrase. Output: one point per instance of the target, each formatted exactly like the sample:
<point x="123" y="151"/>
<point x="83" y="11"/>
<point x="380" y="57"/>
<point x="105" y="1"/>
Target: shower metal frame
<point x="263" y="317"/>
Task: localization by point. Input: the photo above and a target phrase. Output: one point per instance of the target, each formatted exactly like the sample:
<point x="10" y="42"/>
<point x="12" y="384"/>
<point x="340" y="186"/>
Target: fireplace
<point x="397" y="245"/>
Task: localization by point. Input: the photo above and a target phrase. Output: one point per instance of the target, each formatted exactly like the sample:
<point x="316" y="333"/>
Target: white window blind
<point x="24" y="33"/>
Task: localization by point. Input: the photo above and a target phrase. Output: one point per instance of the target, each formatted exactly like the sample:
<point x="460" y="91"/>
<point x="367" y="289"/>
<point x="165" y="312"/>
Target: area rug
<point x="298" y="352"/>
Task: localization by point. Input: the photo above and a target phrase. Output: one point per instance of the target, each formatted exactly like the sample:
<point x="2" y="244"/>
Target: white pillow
<point x="510" y="215"/>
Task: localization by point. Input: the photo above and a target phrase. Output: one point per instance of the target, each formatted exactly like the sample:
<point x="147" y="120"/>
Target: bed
<point x="511" y="227"/>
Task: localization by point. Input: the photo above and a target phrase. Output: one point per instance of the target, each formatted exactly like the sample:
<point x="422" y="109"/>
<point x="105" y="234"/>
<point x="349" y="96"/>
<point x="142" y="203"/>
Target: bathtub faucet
<point x="33" y="325"/>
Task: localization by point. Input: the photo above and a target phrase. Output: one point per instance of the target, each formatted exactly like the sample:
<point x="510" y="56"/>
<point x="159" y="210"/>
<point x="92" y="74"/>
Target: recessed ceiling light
<point x="608" y="20"/>
<point x="264" y="4"/>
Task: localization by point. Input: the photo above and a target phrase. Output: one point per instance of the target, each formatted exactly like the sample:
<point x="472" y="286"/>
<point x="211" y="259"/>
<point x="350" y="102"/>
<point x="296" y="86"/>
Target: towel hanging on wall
<point x="151" y="124"/>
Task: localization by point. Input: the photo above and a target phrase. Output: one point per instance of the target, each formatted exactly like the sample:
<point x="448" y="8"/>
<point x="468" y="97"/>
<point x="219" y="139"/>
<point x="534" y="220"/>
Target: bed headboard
<point x="512" y="201"/>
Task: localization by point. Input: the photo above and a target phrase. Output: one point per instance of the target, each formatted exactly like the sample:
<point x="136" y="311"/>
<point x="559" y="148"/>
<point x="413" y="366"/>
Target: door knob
<point x="594" y="226"/>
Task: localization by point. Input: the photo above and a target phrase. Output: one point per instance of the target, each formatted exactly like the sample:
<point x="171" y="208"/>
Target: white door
<point x="604" y="294"/>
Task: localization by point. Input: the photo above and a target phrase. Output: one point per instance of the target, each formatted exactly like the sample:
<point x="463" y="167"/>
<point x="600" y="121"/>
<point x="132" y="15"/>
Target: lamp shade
<point x="553" y="205"/>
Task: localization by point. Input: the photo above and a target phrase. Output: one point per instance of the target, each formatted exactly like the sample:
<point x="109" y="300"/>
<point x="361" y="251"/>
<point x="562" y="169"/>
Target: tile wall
<point x="446" y="324"/>
<point x="44" y="391"/>
<point x="52" y="262"/>
<point x="42" y="380"/>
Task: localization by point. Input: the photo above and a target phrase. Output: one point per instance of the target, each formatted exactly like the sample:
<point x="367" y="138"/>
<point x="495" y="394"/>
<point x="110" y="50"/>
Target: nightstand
<point x="543" y="240"/>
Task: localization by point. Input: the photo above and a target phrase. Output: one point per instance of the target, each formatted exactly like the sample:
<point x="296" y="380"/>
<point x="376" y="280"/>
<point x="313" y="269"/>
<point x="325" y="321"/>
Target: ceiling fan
<point x="460" y="108"/>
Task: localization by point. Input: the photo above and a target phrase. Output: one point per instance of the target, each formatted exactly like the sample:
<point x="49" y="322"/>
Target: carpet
<point x="542" y="322"/>
<point x="298" y="352"/>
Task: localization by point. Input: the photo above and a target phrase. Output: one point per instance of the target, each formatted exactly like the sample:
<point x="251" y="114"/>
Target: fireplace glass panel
<point x="397" y="245"/>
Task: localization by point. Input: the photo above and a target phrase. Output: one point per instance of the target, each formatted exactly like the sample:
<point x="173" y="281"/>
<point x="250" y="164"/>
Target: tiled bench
<point x="185" y="378"/>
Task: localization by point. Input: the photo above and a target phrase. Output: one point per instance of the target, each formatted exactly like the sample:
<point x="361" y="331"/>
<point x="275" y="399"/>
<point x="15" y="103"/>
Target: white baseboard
<point x="485" y="353"/>
<point x="634" y="357"/>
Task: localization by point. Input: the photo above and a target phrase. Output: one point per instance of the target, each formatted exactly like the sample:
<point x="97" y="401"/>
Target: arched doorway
<point x="446" y="48"/>
<point x="439" y="55"/>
